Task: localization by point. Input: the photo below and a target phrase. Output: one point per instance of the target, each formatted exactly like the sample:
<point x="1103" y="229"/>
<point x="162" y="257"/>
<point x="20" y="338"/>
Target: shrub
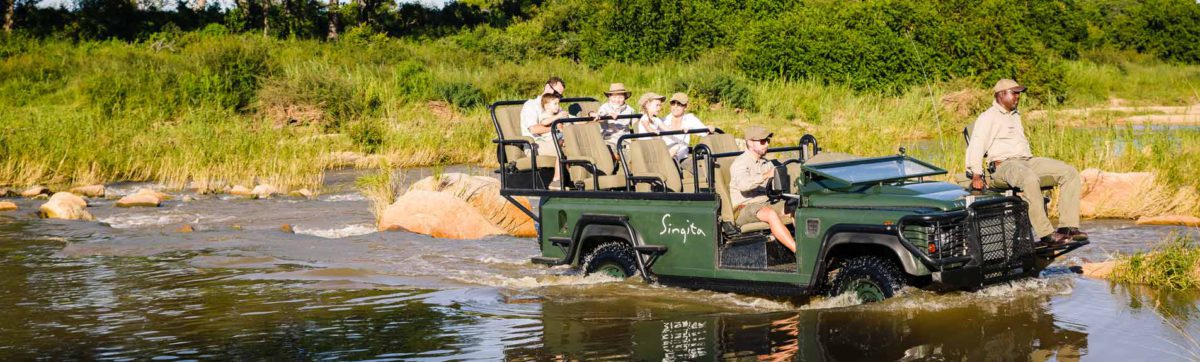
<point x="229" y="73"/>
<point x="367" y="134"/>
<point x="718" y="87"/>
<point x="460" y="94"/>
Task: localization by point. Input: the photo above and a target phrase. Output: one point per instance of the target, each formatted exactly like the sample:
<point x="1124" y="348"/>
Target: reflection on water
<point x="87" y="291"/>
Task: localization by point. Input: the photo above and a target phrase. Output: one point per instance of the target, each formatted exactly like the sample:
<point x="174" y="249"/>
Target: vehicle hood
<point x="940" y="196"/>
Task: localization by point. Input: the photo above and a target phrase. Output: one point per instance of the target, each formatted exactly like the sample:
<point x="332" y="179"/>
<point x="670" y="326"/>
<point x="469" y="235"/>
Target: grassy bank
<point x="242" y="108"/>
<point x="1173" y="264"/>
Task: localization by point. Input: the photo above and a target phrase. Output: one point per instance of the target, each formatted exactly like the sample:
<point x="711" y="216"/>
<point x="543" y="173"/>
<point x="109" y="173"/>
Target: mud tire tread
<point x="881" y="271"/>
<point x="614" y="251"/>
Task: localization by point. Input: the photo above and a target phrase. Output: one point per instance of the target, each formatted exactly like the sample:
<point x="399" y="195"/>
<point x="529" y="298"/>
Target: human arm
<point x="981" y="137"/>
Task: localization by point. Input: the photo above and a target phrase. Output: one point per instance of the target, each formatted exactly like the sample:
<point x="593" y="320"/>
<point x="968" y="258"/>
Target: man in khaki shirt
<point x="999" y="135"/>
<point x="749" y="176"/>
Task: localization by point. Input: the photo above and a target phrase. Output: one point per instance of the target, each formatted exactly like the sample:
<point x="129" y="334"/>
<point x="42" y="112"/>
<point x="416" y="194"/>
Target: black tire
<point x="611" y="258"/>
<point x="873" y="278"/>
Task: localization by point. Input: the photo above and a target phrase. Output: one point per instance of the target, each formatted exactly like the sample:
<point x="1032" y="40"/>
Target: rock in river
<point x="482" y="193"/>
<point x="67" y="206"/>
<point x="89" y="191"/>
<point x="7" y="206"/>
<point x="437" y="214"/>
<point x="1180" y="220"/>
<point x="34" y="191"/>
<point x="143" y="198"/>
<point x="1104" y="192"/>
<point x="263" y="191"/>
<point x="239" y="190"/>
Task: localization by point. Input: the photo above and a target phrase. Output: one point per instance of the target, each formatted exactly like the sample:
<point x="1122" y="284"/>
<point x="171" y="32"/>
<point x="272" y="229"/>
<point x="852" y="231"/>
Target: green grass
<point x="245" y="109"/>
<point x="1173" y="264"/>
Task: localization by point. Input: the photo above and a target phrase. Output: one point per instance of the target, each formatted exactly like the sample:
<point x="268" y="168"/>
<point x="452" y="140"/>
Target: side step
<point x="651" y="251"/>
<point x="541" y="260"/>
<point x="564" y="244"/>
<point x="1053" y="252"/>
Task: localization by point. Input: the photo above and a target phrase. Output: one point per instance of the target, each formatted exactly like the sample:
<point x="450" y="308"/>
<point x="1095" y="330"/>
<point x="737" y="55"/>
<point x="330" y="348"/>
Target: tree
<point x="266" y="17"/>
<point x="8" y="16"/>
<point x="333" y="20"/>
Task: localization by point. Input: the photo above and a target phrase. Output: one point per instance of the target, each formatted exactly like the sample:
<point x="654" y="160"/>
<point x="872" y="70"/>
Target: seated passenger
<point x="650" y="103"/>
<point x="749" y="176"/>
<point x="535" y="122"/>
<point x="610" y="127"/>
<point x="679" y="119"/>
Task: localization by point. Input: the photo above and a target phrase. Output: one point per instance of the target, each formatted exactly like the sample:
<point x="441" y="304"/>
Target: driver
<point x="749" y="177"/>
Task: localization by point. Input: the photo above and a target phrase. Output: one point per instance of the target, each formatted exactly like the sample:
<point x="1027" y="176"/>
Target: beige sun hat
<point x="755" y="133"/>
<point x="617" y="88"/>
<point x="680" y="97"/>
<point x="649" y="96"/>
<point x="1007" y="84"/>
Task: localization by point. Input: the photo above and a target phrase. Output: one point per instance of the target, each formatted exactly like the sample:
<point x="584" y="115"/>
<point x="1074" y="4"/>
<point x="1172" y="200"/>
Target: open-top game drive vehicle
<point x="863" y="225"/>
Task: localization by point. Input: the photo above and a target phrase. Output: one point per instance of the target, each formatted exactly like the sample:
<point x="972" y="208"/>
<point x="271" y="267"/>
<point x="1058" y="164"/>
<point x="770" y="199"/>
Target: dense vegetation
<point x="111" y="91"/>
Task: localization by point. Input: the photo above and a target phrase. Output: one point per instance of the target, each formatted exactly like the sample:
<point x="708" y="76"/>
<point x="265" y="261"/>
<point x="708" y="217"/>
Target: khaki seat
<point x="1046" y="182"/>
<point x="650" y="158"/>
<point x="509" y="119"/>
<point x="583" y="142"/>
<point x="581" y="109"/>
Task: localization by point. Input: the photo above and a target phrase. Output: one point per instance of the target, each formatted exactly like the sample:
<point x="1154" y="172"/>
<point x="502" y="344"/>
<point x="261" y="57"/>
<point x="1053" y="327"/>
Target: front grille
<point x="949" y="236"/>
<point x="1005" y="240"/>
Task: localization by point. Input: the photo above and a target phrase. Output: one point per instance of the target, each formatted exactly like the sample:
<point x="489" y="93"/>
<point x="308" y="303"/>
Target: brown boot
<point x="1054" y="239"/>
<point x="1076" y="234"/>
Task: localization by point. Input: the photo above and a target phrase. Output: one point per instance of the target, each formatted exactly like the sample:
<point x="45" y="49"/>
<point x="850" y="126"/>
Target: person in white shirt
<point x="680" y="119"/>
<point x="611" y="128"/>
<point x="651" y="104"/>
<point x="532" y="109"/>
<point x="536" y="116"/>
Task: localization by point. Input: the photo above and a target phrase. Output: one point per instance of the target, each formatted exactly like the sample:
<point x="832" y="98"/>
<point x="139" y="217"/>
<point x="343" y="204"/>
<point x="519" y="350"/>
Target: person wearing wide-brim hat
<point x="650" y="103"/>
<point x="999" y="135"/>
<point x="749" y="176"/>
<point x="610" y="127"/>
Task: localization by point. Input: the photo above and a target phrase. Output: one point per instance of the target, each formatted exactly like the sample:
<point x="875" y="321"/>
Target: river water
<point x="132" y="287"/>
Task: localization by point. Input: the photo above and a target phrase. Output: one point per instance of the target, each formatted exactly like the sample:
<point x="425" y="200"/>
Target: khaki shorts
<point x="544" y="147"/>
<point x="748" y="213"/>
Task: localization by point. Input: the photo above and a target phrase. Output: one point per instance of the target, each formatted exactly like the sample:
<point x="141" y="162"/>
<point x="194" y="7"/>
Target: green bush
<point x="460" y="94"/>
<point x="367" y="134"/>
<point x="230" y="72"/>
<point x="718" y="87"/>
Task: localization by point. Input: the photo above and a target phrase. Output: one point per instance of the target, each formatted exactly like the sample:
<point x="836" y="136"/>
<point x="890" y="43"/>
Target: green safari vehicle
<point x="868" y="226"/>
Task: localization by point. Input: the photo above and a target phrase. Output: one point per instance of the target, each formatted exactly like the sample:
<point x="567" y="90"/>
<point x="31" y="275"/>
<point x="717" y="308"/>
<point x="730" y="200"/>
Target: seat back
<point x="508" y="118"/>
<point x="721" y="184"/>
<point x="717" y="143"/>
<point x="583" y="108"/>
<point x="649" y="157"/>
<point x="584" y="142"/>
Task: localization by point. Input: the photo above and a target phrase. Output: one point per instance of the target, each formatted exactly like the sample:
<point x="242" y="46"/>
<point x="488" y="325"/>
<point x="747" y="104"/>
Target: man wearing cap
<point x="999" y="135"/>
<point x="749" y="176"/>
<point x="610" y="127"/>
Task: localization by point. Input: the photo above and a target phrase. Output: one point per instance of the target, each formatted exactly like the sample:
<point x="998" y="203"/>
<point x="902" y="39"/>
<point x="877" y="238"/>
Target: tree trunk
<point x="8" y="16"/>
<point x="333" y="20"/>
<point x="266" y="17"/>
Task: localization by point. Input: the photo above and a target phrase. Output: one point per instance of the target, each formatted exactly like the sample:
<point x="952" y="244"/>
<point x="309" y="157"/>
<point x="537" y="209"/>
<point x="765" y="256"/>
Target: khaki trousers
<point x="1025" y="174"/>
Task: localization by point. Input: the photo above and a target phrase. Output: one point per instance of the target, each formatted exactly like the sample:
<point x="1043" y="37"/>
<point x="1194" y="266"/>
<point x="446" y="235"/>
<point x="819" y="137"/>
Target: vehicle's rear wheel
<point x="615" y="259"/>
<point x="869" y="277"/>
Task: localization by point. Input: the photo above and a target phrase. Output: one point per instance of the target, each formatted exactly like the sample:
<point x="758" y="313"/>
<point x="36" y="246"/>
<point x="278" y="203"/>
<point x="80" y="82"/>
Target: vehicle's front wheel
<point x="615" y="259"/>
<point x="869" y="277"/>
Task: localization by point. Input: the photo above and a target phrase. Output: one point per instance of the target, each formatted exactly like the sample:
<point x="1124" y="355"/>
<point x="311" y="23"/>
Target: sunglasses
<point x="763" y="141"/>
